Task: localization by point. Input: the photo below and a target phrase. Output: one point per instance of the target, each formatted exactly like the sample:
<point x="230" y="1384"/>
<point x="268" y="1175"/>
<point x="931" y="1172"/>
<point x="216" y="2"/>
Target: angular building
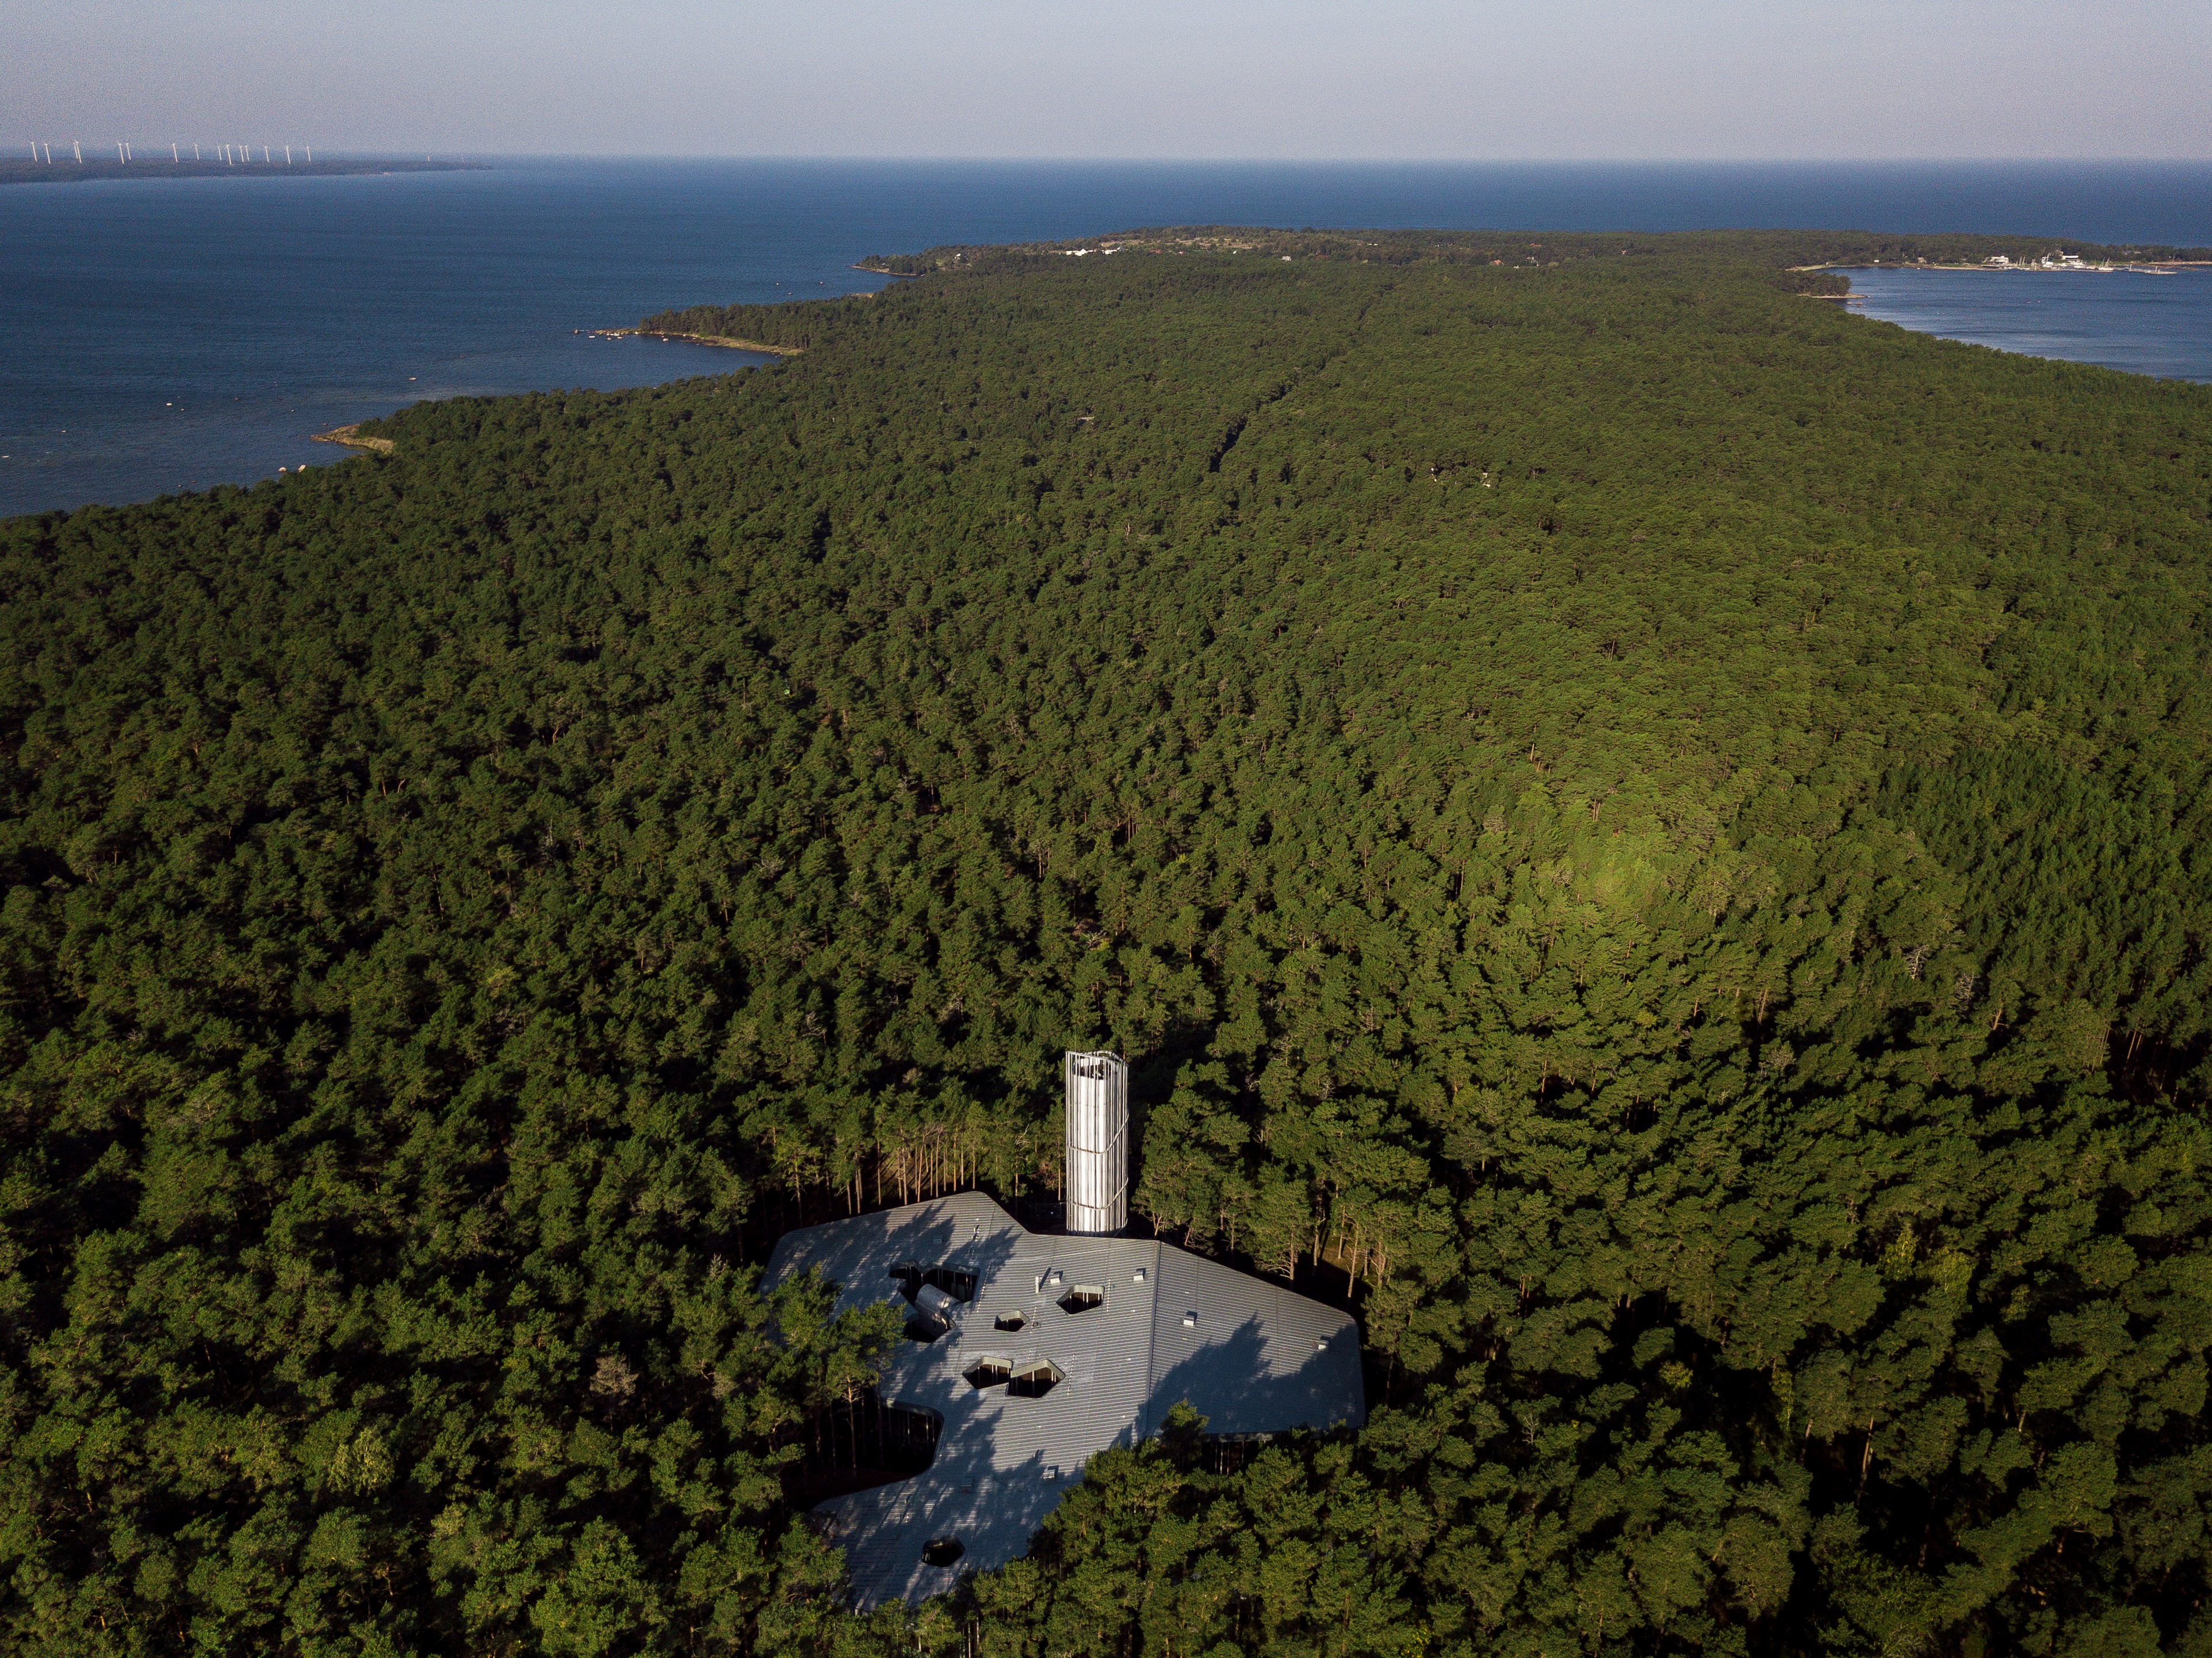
<point x="1027" y="1354"/>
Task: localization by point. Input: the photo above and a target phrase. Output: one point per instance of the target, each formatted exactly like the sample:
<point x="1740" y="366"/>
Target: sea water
<point x="2147" y="322"/>
<point x="158" y="335"/>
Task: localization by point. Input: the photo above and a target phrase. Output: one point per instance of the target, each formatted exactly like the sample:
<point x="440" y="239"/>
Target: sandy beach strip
<point x="761" y="346"/>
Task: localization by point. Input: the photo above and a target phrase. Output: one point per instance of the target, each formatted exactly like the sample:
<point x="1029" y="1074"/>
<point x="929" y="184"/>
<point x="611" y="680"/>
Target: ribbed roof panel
<point x="1252" y="1361"/>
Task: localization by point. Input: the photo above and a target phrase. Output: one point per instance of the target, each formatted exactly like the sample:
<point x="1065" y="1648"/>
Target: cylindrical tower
<point x="1097" y="1143"/>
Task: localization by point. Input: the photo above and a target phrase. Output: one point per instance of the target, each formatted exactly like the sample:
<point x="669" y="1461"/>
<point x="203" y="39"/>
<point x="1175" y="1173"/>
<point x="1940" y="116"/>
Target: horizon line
<point x="401" y="151"/>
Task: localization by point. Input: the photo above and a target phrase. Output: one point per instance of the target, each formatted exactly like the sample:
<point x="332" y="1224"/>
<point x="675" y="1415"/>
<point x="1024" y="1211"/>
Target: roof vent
<point x="915" y="1280"/>
<point x="935" y="1294"/>
<point x="1190" y="1321"/>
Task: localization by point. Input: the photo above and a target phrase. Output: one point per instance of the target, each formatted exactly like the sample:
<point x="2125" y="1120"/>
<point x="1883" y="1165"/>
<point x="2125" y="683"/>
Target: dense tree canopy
<point x="1648" y="833"/>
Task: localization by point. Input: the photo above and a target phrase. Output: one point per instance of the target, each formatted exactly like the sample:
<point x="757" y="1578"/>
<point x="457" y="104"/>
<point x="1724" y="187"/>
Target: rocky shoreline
<point x="351" y="438"/>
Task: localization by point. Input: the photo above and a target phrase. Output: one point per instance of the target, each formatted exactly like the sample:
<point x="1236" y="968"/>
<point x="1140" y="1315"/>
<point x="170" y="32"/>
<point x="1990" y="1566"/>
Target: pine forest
<point x="1646" y="835"/>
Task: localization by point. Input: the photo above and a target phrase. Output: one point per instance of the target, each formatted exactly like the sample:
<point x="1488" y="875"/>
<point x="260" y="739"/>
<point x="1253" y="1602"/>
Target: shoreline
<point x="724" y="340"/>
<point x="349" y="435"/>
<point x="2151" y="267"/>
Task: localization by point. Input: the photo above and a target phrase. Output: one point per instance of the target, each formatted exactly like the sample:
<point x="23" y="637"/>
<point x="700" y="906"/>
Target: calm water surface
<point x="2147" y="325"/>
<point x="161" y="334"/>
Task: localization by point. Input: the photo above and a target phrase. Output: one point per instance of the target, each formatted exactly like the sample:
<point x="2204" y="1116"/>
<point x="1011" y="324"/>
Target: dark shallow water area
<point x="2159" y="325"/>
<point x="173" y="334"/>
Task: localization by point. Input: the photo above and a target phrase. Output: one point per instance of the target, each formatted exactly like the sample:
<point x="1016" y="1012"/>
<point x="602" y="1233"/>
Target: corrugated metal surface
<point x="1250" y="1361"/>
<point x="1253" y="1357"/>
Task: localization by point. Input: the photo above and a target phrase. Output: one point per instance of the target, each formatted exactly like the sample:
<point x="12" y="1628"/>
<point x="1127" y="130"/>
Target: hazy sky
<point x="1128" y="78"/>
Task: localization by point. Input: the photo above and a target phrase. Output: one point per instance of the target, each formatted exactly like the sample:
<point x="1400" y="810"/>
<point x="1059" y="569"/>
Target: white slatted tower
<point x="1097" y="1143"/>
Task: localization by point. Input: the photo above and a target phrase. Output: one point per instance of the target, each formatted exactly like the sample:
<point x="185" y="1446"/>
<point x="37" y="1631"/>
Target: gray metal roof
<point x="1248" y="1355"/>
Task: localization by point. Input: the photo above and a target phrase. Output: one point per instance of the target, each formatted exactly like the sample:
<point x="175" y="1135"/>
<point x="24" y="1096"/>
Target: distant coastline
<point x="19" y="170"/>
<point x="2018" y="268"/>
<point x="2153" y="266"/>
<point x="734" y="345"/>
<point x="82" y="367"/>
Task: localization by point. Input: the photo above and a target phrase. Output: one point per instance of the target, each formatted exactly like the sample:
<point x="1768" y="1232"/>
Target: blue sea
<point x="2146" y="323"/>
<point x="159" y="334"/>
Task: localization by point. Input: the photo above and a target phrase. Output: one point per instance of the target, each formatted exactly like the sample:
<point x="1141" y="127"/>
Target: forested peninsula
<point x="1646" y="835"/>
